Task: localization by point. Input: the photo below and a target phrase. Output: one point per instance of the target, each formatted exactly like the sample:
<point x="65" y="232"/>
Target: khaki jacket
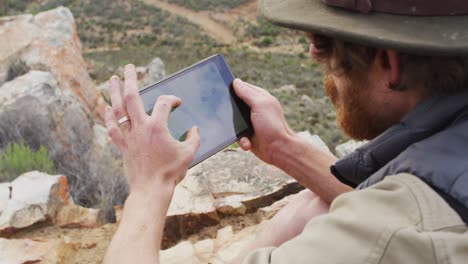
<point x="399" y="220"/>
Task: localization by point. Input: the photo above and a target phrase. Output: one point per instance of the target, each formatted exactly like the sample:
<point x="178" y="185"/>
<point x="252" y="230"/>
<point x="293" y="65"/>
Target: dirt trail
<point x="214" y="29"/>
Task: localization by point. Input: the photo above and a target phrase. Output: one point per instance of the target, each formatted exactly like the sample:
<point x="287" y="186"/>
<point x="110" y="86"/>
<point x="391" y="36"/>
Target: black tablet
<point x="208" y="101"/>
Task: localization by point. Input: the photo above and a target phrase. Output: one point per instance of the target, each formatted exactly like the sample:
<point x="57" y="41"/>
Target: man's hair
<point x="436" y="74"/>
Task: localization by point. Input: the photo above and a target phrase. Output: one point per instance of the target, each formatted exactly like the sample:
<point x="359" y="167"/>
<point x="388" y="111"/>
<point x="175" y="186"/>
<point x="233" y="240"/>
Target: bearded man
<point x="397" y="73"/>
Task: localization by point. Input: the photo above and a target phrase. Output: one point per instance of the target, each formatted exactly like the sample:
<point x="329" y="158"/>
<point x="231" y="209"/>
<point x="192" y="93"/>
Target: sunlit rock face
<point x="231" y="183"/>
<point x="48" y="42"/>
<point x="38" y="198"/>
<point x="34" y="198"/>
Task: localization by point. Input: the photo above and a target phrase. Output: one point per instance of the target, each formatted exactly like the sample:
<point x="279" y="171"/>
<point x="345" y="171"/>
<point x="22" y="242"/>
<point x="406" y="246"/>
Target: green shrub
<point x="18" y="158"/>
<point x="265" y="42"/>
<point x="263" y="28"/>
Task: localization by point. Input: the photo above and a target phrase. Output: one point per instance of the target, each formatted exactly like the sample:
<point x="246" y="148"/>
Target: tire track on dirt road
<point x="212" y="28"/>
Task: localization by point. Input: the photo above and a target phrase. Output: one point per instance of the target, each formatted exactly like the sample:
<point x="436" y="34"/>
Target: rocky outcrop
<point x="49" y="42"/>
<point x="35" y="109"/>
<point x="231" y="183"/>
<point x="34" y="198"/>
<point x="37" y="198"/>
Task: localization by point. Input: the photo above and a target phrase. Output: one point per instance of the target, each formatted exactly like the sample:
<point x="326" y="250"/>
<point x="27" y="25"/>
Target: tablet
<point x="208" y="101"/>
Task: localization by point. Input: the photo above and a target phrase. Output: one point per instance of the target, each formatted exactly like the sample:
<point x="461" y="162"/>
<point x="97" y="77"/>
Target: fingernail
<point x="242" y="141"/>
<point x="238" y="82"/>
<point x="129" y="67"/>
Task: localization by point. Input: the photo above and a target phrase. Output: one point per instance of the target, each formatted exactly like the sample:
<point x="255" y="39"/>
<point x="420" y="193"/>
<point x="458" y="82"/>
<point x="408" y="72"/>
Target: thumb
<point x="244" y="92"/>
<point x="193" y="139"/>
<point x="245" y="143"/>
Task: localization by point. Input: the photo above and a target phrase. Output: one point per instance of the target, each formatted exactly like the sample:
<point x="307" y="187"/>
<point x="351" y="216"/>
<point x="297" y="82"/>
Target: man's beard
<point x="354" y="114"/>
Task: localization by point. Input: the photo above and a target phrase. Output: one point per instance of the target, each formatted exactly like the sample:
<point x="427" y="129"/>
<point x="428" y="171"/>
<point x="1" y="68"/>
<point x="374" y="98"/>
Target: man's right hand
<point x="270" y="127"/>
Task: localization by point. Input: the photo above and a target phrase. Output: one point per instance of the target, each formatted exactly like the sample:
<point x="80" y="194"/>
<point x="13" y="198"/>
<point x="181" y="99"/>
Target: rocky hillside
<point x="47" y="99"/>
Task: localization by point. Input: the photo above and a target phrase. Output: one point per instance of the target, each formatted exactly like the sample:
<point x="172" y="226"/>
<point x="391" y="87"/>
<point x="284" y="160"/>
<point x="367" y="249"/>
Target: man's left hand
<point x="152" y="157"/>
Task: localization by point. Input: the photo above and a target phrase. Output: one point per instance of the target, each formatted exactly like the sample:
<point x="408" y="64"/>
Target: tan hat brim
<point x="437" y="36"/>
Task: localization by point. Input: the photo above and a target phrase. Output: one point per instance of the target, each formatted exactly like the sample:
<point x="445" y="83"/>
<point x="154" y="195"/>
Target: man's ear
<point x="390" y="63"/>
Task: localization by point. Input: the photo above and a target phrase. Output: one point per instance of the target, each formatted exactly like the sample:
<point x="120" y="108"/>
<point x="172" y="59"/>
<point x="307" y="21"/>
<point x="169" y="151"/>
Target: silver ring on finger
<point x="123" y="120"/>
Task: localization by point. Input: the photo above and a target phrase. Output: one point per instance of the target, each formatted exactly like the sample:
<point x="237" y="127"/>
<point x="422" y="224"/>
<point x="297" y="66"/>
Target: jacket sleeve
<point x="358" y="228"/>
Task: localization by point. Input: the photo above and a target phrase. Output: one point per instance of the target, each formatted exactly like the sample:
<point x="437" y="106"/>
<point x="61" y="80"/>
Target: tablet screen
<point x="207" y="102"/>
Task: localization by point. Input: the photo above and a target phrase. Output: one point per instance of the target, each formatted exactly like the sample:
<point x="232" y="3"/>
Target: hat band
<point x="405" y="7"/>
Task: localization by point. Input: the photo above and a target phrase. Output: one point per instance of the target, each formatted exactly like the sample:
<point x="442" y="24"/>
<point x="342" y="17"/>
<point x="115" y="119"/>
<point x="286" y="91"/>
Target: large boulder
<point x="241" y="183"/>
<point x="35" y="197"/>
<point x="38" y="198"/>
<point x="48" y="41"/>
<point x="5" y="193"/>
<point x="36" y="110"/>
<point x="230" y="183"/>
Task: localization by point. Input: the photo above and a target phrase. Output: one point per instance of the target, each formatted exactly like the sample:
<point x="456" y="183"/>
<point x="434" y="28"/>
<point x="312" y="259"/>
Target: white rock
<point x="4" y="195"/>
<point x="348" y="147"/>
<point x="20" y="32"/>
<point x="35" y="197"/>
<point x="308" y="102"/>
<point x="49" y="42"/>
<point x="191" y="197"/>
<point x="74" y="216"/>
<point x="156" y="71"/>
<point x="232" y="205"/>
<point x="238" y="179"/>
<point x="100" y="135"/>
<point x="288" y="89"/>
<point x="232" y="182"/>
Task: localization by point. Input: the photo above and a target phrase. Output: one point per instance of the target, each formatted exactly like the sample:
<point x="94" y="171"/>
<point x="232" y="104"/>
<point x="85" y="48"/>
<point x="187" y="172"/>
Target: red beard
<point x="354" y="112"/>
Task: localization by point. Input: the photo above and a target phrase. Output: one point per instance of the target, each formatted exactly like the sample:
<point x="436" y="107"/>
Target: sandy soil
<point x="217" y="31"/>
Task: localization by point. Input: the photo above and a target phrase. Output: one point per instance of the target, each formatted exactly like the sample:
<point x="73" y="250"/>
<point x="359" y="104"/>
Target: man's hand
<point x="151" y="155"/>
<point x="276" y="143"/>
<point x="270" y="127"/>
<point x="154" y="163"/>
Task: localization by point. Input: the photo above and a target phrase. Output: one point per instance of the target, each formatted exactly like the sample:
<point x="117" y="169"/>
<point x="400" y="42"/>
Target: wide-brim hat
<point x="435" y="35"/>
